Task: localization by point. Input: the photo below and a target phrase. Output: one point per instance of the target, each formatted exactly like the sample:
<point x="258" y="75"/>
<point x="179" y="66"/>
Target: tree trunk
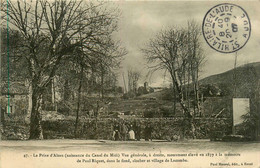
<point x="196" y="92"/>
<point x="179" y="91"/>
<point x="36" y="131"/>
<point x="102" y="85"/>
<point x="174" y="101"/>
<point x="2" y="122"/>
<point x="66" y="90"/>
<point x="78" y="103"/>
<point x="188" y="94"/>
<point x="29" y="109"/>
<point x="187" y="123"/>
<point x="197" y="99"/>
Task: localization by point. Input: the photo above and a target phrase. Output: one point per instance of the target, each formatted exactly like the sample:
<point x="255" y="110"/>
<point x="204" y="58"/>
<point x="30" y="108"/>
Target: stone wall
<point x="163" y="128"/>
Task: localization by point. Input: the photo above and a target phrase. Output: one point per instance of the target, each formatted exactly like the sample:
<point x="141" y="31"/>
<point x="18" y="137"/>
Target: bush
<point x="91" y="128"/>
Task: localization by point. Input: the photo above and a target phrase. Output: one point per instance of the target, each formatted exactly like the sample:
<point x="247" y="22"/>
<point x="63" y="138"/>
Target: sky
<point x="141" y="20"/>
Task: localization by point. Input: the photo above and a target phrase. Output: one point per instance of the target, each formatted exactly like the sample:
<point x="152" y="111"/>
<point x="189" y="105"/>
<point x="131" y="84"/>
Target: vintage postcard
<point x="89" y="84"/>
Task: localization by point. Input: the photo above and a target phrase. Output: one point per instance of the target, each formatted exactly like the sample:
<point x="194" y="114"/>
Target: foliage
<point x="250" y="126"/>
<point x="91" y="128"/>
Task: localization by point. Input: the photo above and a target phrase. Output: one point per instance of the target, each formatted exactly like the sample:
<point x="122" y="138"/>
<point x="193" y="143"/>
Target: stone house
<point x="14" y="100"/>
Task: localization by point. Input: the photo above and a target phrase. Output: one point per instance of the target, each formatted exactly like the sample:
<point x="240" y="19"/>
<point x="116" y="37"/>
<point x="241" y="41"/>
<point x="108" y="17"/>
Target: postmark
<point x="226" y="28"/>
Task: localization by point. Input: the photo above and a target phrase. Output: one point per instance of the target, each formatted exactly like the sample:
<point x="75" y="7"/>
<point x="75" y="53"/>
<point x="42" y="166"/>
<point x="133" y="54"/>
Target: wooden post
<point x="234" y="92"/>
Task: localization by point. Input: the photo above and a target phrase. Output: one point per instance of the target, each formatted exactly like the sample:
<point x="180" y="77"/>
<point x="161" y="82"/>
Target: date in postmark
<point x="226" y="28"/>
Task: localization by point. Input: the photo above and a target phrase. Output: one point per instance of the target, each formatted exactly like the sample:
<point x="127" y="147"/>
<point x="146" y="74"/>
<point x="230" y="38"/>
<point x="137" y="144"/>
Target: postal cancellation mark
<point x="226" y="28"/>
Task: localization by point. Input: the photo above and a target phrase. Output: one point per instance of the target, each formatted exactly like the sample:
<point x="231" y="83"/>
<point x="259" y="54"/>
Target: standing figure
<point x="148" y="132"/>
<point x="137" y="129"/>
<point x="123" y="131"/>
<point x="116" y="133"/>
<point x="131" y="134"/>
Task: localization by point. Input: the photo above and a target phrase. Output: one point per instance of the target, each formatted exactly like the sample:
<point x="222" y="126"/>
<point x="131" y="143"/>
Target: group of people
<point x="123" y="131"/>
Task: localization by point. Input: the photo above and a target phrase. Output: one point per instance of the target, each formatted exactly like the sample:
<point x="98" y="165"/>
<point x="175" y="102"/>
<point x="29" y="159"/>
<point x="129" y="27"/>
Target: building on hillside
<point x="15" y="98"/>
<point x="145" y="89"/>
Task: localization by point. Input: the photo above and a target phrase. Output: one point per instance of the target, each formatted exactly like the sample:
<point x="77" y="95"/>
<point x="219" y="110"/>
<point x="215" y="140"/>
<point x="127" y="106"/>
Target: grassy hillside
<point x="245" y="78"/>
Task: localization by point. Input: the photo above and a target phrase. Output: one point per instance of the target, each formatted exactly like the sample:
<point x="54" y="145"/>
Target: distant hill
<point x="227" y="77"/>
<point x="245" y="78"/>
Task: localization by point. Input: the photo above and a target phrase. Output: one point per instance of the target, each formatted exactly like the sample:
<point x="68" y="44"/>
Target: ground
<point x="38" y="153"/>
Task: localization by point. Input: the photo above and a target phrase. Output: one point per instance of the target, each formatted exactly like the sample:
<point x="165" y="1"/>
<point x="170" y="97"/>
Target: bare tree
<point x="108" y="62"/>
<point x="51" y="31"/>
<point x="177" y="50"/>
<point x="196" y="59"/>
<point x="167" y="51"/>
<point x="133" y="78"/>
<point x="101" y="58"/>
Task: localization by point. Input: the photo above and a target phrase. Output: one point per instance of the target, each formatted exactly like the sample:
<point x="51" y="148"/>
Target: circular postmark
<point x="226" y="28"/>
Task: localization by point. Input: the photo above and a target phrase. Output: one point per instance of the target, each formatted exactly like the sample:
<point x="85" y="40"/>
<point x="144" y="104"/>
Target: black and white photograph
<point x="90" y="84"/>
